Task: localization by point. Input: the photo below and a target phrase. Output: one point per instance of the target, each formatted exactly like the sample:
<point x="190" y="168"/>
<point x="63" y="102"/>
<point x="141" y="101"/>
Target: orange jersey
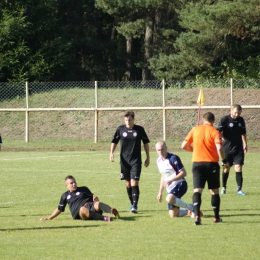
<point x="204" y="138"/>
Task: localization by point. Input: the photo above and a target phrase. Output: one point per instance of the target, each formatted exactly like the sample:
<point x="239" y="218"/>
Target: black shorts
<point x="131" y="172"/>
<point x="206" y="172"/>
<point x="237" y="158"/>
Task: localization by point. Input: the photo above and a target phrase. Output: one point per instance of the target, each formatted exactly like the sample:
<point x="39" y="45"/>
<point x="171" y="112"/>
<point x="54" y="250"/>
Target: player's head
<point x="70" y="183"/>
<point x="236" y="111"/>
<point x="129" y="117"/>
<point x="209" y="117"/>
<point x="161" y="149"/>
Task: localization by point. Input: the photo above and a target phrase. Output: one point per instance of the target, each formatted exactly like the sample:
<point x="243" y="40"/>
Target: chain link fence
<point x="67" y="109"/>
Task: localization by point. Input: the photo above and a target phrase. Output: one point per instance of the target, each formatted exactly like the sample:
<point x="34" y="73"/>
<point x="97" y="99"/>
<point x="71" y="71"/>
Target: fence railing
<point x="168" y="109"/>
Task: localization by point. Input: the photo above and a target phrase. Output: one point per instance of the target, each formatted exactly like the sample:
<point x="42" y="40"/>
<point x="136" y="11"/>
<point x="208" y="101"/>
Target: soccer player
<point x="83" y="204"/>
<point x="206" y="144"/>
<point x="172" y="179"/>
<point x="233" y="129"/>
<point x="131" y="136"/>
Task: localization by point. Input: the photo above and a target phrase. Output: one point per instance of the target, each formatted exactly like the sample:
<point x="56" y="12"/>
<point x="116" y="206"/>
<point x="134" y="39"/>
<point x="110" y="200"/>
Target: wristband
<point x="224" y="161"/>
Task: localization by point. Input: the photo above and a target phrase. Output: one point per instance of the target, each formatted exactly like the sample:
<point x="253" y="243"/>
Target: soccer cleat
<point x="223" y="191"/>
<point x="197" y="221"/>
<point x="115" y="213"/>
<point x="108" y="219"/>
<point x="240" y="192"/>
<point x="133" y="209"/>
<point x="217" y="220"/>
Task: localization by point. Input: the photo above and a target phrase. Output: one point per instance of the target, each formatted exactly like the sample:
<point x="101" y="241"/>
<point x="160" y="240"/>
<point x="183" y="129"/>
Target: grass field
<point x="32" y="182"/>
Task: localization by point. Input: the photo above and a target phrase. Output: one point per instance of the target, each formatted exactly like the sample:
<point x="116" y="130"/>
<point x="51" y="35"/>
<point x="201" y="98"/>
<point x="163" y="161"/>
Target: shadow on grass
<point x="45" y="228"/>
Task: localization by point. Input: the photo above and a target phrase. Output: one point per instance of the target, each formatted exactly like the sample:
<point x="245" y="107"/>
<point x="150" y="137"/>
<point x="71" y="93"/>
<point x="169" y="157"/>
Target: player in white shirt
<point x="172" y="179"/>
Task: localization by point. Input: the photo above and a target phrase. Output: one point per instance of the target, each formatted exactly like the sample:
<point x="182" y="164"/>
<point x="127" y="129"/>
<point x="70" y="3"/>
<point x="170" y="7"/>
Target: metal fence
<point x="93" y="110"/>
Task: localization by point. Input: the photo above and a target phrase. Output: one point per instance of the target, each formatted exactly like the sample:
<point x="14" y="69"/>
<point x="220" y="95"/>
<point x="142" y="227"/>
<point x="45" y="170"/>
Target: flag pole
<point x="200" y="102"/>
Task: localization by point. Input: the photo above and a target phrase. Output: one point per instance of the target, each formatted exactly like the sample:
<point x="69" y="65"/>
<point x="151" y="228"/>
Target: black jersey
<point x="232" y="131"/>
<point x="76" y="200"/>
<point x="130" y="142"/>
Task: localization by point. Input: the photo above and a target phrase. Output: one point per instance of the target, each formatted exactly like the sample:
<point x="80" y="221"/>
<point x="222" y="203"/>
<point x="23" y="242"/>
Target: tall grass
<point x="32" y="182"/>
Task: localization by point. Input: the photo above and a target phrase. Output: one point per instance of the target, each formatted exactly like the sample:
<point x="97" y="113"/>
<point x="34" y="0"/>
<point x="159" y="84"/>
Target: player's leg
<point x="174" y="197"/>
<point x="225" y="173"/>
<point x="238" y="163"/>
<point x="213" y="179"/>
<point x="135" y="174"/>
<point x="100" y="206"/>
<point x="85" y="213"/>
<point x="125" y="175"/>
<point x="199" y="180"/>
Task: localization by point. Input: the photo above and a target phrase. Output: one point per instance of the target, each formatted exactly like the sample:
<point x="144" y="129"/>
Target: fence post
<point x="163" y="110"/>
<point x="96" y="113"/>
<point x="231" y="91"/>
<point x="27" y="113"/>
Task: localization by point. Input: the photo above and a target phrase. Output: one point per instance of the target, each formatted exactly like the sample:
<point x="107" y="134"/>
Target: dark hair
<point x="237" y="106"/>
<point x="209" y="117"/>
<point x="130" y="114"/>
<point x="69" y="177"/>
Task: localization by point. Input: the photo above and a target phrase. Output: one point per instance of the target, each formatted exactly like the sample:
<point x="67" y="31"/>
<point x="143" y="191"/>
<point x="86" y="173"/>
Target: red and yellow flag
<point x="200" y="100"/>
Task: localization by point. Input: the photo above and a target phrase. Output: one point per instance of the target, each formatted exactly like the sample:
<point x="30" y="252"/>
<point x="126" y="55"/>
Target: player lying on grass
<point x="83" y="204"/>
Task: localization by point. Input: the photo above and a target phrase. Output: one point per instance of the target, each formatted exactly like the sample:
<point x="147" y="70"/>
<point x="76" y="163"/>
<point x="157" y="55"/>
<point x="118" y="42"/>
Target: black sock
<point x="135" y="195"/>
<point x="239" y="179"/>
<point x="129" y="192"/>
<point x="96" y="216"/>
<point x="215" y="203"/>
<point x="104" y="207"/>
<point x="224" y="179"/>
<point x="196" y="203"/>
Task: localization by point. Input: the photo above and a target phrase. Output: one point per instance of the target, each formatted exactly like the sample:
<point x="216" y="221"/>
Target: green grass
<point x="32" y="182"/>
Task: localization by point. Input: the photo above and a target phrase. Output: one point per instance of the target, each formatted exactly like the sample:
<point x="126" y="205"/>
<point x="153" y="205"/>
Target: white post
<point x="163" y="110"/>
<point x="231" y="91"/>
<point x="27" y="113"/>
<point x="96" y="113"/>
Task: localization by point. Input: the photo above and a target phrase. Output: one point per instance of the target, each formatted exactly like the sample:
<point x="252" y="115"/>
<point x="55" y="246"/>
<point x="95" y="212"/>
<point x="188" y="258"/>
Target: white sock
<point x="183" y="212"/>
<point x="182" y="204"/>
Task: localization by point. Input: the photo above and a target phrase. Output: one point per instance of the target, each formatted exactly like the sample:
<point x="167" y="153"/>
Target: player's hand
<point x="147" y="162"/>
<point x="111" y="157"/>
<point x="159" y="197"/>
<point x="43" y="219"/>
<point x="95" y="198"/>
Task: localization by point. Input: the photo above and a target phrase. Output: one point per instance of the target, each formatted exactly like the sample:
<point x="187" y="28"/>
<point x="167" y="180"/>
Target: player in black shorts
<point x="131" y="136"/>
<point x="233" y="129"/>
<point x="83" y="204"/>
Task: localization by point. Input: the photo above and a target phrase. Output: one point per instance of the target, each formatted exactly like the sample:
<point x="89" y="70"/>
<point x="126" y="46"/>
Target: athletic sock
<point x="196" y="203"/>
<point x="224" y="179"/>
<point x="95" y="216"/>
<point x="104" y="207"/>
<point x="182" y="204"/>
<point x="215" y="203"/>
<point x="239" y="179"/>
<point x="135" y="195"/>
<point x="183" y="212"/>
<point x="129" y="192"/>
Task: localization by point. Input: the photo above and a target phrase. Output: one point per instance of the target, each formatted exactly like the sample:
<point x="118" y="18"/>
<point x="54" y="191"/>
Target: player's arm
<point x="55" y="213"/>
<point x="244" y="140"/>
<point x="147" y="160"/>
<point x="222" y="155"/>
<point x="161" y="188"/>
<point x="112" y="149"/>
<point x="187" y="146"/>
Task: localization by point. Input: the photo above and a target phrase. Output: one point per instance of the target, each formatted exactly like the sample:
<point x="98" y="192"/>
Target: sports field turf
<point x="32" y="182"/>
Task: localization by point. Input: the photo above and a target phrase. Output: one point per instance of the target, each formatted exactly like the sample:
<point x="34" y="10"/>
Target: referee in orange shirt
<point x="206" y="144"/>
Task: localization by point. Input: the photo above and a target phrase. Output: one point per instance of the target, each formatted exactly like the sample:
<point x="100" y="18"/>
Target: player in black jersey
<point x="83" y="204"/>
<point x="233" y="129"/>
<point x="131" y="136"/>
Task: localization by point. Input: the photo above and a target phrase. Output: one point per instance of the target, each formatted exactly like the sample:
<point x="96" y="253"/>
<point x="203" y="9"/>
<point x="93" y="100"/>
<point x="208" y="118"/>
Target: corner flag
<point x="200" y="100"/>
